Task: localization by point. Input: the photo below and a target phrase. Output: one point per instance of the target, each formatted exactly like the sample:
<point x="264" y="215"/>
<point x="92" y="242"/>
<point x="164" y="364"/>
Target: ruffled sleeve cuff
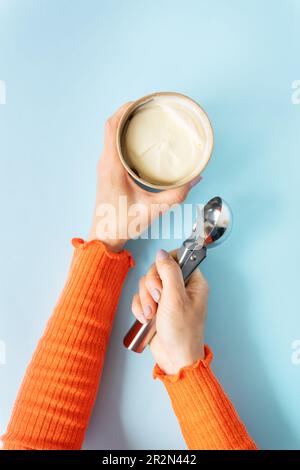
<point x="158" y="373"/>
<point x="99" y="247"/>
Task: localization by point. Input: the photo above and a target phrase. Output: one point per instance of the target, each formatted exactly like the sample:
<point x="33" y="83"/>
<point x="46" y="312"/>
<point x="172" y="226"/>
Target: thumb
<point x="176" y="195"/>
<point x="169" y="272"/>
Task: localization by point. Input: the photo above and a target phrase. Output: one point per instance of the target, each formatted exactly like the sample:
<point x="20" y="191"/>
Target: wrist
<point x="115" y="245"/>
<point x="172" y="365"/>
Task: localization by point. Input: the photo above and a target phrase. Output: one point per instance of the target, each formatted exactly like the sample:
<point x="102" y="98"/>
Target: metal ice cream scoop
<point x="210" y="227"/>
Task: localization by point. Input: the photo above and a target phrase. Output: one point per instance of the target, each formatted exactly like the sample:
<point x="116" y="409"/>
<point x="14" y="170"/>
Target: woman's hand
<point x="120" y="200"/>
<point x="180" y="313"/>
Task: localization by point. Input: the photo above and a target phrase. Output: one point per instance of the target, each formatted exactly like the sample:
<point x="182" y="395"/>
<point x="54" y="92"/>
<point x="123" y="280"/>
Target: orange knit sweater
<point x="56" y="398"/>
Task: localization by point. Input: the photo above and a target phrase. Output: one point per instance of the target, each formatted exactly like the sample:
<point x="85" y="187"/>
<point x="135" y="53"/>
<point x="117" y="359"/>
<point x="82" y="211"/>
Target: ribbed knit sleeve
<point x="55" y="400"/>
<point x="206" y="416"/>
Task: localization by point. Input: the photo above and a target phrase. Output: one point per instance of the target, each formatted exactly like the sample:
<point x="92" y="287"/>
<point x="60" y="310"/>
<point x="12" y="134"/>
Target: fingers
<point x="153" y="283"/>
<point x="111" y="127"/>
<point x="137" y="309"/>
<point x="170" y="274"/>
<point x="149" y="306"/>
<point x="144" y="304"/>
<point x="115" y="118"/>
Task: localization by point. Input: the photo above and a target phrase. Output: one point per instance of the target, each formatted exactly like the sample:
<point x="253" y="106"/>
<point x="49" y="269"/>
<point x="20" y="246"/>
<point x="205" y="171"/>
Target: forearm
<point x="58" y="392"/>
<point x="206" y="416"/>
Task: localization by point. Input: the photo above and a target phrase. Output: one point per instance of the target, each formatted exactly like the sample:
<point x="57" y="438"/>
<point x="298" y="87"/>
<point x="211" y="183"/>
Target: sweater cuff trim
<point x="79" y="243"/>
<point x="158" y="373"/>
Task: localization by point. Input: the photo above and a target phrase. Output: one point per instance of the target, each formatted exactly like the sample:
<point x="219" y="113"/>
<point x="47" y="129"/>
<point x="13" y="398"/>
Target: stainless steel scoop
<point x="210" y="227"/>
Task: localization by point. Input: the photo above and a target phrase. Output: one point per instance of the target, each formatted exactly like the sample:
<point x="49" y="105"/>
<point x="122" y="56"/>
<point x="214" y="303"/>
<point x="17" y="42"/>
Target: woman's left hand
<point x="123" y="209"/>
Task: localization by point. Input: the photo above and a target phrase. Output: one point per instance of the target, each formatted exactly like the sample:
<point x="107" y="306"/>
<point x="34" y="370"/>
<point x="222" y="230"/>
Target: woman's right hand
<point x="180" y="313"/>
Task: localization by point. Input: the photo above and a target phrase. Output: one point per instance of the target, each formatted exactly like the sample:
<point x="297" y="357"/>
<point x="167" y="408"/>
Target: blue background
<point x="67" y="66"/>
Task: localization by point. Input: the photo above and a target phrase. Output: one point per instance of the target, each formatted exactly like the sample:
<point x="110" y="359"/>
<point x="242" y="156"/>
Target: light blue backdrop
<point x="67" y="66"/>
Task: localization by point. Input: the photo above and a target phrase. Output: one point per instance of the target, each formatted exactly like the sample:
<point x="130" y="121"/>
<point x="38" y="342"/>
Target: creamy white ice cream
<point x="166" y="140"/>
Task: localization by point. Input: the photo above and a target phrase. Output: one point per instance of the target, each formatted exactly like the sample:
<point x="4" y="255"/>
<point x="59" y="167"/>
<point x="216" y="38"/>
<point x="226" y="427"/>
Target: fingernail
<point x="155" y="295"/>
<point x="195" y="181"/>
<point x="147" y="311"/>
<point x="141" y="318"/>
<point x="162" y="254"/>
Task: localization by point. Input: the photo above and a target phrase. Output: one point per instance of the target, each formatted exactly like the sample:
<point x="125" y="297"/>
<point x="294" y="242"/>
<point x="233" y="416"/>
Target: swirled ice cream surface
<point x="164" y="141"/>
